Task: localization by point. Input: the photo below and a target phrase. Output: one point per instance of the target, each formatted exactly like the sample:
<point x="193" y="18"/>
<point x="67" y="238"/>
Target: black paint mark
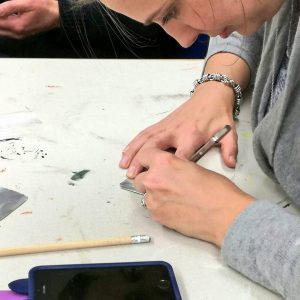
<point x="11" y="139"/>
<point x="79" y="175"/>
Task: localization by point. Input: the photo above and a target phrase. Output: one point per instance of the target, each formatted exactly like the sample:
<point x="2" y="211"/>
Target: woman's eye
<point x="170" y="15"/>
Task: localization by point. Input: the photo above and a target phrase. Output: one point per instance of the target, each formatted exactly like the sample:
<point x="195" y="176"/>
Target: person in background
<point x="252" y="43"/>
<point x="51" y="28"/>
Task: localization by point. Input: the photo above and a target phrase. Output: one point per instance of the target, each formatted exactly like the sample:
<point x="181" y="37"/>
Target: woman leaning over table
<point x="255" y="42"/>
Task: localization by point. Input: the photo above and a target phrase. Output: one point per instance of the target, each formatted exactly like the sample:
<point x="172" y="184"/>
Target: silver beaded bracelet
<point x="226" y="80"/>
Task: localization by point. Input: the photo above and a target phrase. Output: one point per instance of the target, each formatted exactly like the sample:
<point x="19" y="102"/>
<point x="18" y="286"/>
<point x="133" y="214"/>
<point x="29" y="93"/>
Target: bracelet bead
<point x="227" y="81"/>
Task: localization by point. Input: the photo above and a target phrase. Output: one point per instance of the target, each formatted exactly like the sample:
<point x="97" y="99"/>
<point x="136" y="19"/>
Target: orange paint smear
<point x="53" y="86"/>
<point x="26" y="213"/>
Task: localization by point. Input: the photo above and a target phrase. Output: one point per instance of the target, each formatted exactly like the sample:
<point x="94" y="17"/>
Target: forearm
<point x="238" y="56"/>
<point x="231" y="65"/>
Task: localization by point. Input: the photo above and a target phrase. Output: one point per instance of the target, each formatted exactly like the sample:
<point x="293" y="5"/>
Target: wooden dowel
<point x="135" y="239"/>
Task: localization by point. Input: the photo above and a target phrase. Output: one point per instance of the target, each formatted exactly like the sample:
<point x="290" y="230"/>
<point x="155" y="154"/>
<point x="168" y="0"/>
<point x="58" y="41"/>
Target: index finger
<point x="145" y="139"/>
<point x="148" y="157"/>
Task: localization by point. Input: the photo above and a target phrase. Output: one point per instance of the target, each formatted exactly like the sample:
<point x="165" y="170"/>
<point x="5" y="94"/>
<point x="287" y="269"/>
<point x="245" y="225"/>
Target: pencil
<point x="126" y="240"/>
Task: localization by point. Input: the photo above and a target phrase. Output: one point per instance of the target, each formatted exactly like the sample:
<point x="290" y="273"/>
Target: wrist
<point x="215" y="95"/>
<point x="227" y="81"/>
<point x="228" y="216"/>
<point x="53" y="14"/>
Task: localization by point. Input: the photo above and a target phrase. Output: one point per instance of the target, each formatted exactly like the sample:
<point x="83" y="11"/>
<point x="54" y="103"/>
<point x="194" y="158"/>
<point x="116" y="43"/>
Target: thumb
<point x="229" y="149"/>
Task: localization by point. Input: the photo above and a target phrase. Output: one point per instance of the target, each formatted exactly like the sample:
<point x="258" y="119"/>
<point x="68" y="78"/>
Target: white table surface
<point x="82" y="113"/>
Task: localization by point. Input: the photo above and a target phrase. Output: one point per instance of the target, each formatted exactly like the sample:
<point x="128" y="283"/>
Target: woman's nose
<point x="183" y="34"/>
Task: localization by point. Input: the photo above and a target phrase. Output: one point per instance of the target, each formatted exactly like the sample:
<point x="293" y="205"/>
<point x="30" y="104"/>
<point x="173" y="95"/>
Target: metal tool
<point x="211" y="142"/>
<point x="9" y="201"/>
<point x="128" y="186"/>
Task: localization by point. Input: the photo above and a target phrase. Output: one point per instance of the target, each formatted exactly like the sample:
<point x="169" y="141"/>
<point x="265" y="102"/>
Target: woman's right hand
<point x="189" y="127"/>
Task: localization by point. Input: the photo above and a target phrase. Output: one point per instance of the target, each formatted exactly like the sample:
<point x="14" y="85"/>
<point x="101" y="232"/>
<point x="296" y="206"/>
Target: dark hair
<point x="127" y="36"/>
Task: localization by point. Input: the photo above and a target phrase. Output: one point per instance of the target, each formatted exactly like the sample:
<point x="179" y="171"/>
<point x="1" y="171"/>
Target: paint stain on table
<point x="29" y="212"/>
<point x="53" y="86"/>
<point x="247" y="134"/>
<point x="15" y="148"/>
<point x="79" y="175"/>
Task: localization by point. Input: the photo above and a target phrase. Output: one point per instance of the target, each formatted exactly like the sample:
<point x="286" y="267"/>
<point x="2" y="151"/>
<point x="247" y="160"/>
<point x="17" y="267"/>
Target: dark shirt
<point x="89" y="32"/>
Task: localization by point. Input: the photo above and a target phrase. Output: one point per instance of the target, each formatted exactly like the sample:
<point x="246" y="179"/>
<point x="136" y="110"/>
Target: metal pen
<point x="216" y="138"/>
<point x="213" y="141"/>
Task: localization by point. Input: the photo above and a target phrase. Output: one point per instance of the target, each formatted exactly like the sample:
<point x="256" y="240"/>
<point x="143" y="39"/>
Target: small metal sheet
<point x="128" y="186"/>
<point x="9" y="201"/>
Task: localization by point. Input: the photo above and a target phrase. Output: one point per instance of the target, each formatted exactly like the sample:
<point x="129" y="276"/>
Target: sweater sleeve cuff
<point x="263" y="243"/>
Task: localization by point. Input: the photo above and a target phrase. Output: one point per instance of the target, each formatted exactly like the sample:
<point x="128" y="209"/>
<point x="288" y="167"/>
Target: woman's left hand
<point x="23" y="18"/>
<point x="189" y="198"/>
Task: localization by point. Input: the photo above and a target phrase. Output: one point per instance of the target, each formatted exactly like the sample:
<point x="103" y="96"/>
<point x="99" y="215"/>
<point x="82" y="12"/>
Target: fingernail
<point x="232" y="160"/>
<point x="125" y="149"/>
<point x="131" y="172"/>
<point x="124" y="161"/>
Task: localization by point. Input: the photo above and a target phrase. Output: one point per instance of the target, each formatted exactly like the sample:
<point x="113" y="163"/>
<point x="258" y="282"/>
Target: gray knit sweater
<point x="264" y="241"/>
